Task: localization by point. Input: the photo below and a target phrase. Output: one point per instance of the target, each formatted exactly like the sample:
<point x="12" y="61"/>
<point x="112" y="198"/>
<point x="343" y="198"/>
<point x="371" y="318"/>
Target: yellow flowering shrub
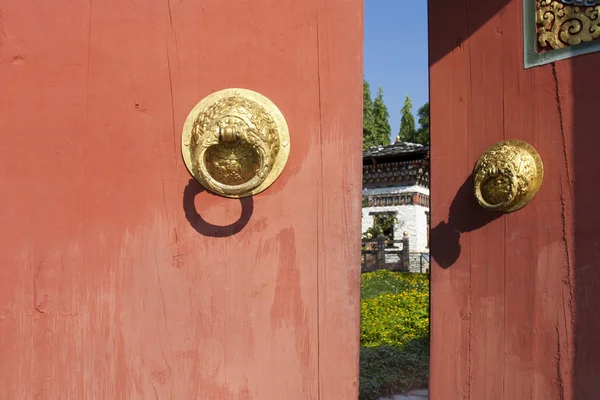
<point x="381" y="282"/>
<point x="394" y="333"/>
<point x="394" y="319"/>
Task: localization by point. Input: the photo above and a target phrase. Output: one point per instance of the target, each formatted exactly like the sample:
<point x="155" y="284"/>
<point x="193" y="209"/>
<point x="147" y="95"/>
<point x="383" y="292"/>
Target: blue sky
<point x="396" y="53"/>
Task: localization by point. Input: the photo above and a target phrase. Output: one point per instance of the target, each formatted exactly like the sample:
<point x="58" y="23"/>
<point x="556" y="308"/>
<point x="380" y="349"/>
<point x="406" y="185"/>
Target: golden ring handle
<point x="507" y="176"/>
<point x="513" y="186"/>
<point x="235" y="142"/>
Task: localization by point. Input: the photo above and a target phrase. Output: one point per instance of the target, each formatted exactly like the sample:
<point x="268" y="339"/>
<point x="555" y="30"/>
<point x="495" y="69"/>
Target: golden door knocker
<point x="507" y="176"/>
<point x="235" y="142"/>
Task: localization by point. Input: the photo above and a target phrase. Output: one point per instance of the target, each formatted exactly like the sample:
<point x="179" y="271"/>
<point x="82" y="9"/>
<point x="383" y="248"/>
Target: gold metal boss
<point x="235" y="142"/>
<point x="507" y="176"/>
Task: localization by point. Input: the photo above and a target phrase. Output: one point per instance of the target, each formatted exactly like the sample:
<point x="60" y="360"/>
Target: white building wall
<point x="411" y="219"/>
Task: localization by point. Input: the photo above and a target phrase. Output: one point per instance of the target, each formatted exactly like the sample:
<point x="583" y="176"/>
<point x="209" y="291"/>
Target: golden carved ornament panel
<point x="235" y="142"/>
<point x="507" y="176"/>
<point x="562" y="23"/>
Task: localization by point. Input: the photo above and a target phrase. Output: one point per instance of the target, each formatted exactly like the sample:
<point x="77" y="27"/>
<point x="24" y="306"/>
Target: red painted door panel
<point x="514" y="312"/>
<point x="120" y="278"/>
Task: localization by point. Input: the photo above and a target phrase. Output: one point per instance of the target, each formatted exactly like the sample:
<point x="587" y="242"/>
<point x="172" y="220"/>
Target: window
<point x="385" y="222"/>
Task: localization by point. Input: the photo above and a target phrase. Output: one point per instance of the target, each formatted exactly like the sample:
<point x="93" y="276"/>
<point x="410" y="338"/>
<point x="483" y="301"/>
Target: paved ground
<point x="422" y="394"/>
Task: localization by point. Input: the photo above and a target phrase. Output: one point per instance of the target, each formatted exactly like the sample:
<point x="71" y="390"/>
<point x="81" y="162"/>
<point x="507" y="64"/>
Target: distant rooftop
<point x="396" y="150"/>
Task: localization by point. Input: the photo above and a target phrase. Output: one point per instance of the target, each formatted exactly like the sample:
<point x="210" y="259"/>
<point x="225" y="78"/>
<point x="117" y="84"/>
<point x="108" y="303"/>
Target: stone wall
<point x="418" y="263"/>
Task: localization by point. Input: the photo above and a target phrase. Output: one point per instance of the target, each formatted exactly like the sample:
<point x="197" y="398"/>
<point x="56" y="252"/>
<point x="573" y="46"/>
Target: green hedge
<point x="388" y="370"/>
<point x="394" y="333"/>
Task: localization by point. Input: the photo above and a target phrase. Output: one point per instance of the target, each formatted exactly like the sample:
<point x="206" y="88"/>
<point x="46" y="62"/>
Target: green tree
<point x="423" y="131"/>
<point x="369" y="138"/>
<point x="381" y="118"/>
<point x="408" y="132"/>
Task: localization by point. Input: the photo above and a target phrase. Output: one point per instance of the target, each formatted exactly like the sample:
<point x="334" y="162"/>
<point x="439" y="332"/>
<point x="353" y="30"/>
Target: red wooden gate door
<point x="120" y="276"/>
<point x="514" y="312"/>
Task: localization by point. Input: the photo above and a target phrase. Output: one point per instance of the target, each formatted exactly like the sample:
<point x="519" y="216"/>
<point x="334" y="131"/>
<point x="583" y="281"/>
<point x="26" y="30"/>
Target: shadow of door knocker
<point x="205" y="228"/>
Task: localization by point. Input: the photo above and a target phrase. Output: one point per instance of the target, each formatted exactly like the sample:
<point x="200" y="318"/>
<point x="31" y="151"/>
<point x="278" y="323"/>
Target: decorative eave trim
<point x="396" y="199"/>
